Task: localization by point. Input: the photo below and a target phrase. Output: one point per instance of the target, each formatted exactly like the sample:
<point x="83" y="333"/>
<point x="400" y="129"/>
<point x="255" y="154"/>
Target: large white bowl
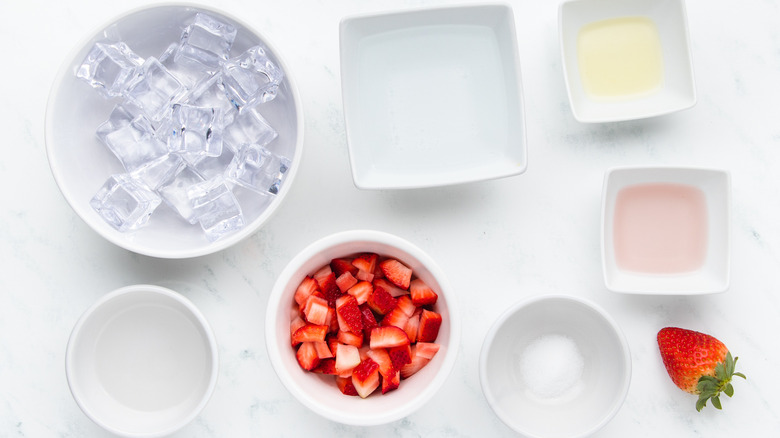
<point x="80" y="163"/>
<point x="590" y="402"/>
<point x="432" y="96"/>
<point x="142" y="361"/>
<point x="319" y="392"/>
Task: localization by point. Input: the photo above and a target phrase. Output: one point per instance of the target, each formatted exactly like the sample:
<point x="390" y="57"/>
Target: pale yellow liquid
<point x="620" y="57"/>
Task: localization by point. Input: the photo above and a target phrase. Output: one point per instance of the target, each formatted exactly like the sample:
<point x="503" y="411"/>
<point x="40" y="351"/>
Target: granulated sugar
<point x="551" y="366"/>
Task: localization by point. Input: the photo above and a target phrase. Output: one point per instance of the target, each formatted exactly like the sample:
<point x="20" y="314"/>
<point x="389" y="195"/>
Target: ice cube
<point x="217" y="208"/>
<point x="249" y="127"/>
<point x="124" y="203"/>
<point x="159" y="171"/>
<point x="209" y="167"/>
<point x="108" y="67"/>
<point x="196" y="130"/>
<point x="258" y="169"/>
<point x="209" y="92"/>
<point x="251" y="78"/>
<point x="133" y="141"/>
<point x="188" y="76"/>
<point x="205" y="43"/>
<point x="175" y="193"/>
<point x="154" y="89"/>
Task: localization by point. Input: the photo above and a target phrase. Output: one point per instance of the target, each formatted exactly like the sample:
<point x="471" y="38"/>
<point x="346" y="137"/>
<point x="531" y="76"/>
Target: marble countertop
<point x="498" y="241"/>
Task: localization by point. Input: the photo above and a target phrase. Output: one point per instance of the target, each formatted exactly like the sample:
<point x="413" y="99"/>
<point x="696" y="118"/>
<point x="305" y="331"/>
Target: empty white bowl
<point x="665" y="230"/>
<point x="555" y="367"/>
<point x="81" y="164"/>
<point x="319" y="392"/>
<point x="640" y="59"/>
<point x="142" y="361"/>
<point x="432" y="97"/>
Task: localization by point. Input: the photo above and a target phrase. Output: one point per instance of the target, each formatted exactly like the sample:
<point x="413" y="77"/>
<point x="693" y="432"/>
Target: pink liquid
<point x="660" y="228"/>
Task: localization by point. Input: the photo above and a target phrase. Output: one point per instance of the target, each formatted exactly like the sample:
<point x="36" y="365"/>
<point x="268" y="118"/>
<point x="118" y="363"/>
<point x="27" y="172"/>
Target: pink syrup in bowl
<point x="660" y="228"/>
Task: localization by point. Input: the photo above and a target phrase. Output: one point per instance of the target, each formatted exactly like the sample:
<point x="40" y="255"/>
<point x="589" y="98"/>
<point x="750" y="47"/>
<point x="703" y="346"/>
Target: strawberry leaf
<point x="728" y="390"/>
<point x="716" y="402"/>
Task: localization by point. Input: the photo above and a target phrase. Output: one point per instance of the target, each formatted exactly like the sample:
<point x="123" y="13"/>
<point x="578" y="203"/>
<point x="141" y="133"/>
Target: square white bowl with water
<point x="432" y="97"/>
<point x="667" y="30"/>
<point x="677" y="250"/>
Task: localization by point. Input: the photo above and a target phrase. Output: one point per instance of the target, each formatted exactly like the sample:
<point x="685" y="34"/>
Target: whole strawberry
<point x="698" y="363"/>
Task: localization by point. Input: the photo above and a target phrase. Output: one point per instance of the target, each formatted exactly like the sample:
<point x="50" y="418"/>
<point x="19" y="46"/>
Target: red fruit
<point x="413" y="326"/>
<point x="366" y="262"/>
<point x="326" y="366"/>
<point x="396" y="318"/>
<point x="697" y="363"/>
<point x="406" y="305"/>
<point x="430" y="322"/>
<point x="381" y="301"/>
<point x="348" y="313"/>
<point x="369" y="320"/>
<point x="422" y="294"/>
<point x="309" y="333"/>
<point x="329" y="287"/>
<point x="323" y="350"/>
<point x="332" y="320"/>
<point x="417" y="363"/>
<point x="361" y="291"/>
<point x="392" y="289"/>
<point x="398" y="273"/>
<point x="400" y="355"/>
<point x="316" y="310"/>
<point x="347" y="358"/>
<point x="387" y="337"/>
<point x="350" y="338"/>
<point x="365" y="377"/>
<point x="339" y="266"/>
<point x="307" y="286"/>
<point x="307" y="356"/>
<point x="322" y="273"/>
<point x="345" y="385"/>
<point x="345" y="281"/>
<point x="391" y="382"/>
<point x="382" y="358"/>
<point x="427" y="349"/>
<point x="295" y="324"/>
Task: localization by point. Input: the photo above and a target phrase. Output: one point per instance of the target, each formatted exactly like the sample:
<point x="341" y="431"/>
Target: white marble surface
<point x="499" y="241"/>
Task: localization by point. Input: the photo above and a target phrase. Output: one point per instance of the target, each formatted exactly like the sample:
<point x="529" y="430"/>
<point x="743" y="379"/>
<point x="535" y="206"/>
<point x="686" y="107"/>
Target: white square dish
<point x="641" y="53"/>
<point x="432" y="97"/>
<point x="666" y="230"/>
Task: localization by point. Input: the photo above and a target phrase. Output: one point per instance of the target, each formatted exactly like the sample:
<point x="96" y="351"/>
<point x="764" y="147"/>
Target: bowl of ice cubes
<point x="174" y="131"/>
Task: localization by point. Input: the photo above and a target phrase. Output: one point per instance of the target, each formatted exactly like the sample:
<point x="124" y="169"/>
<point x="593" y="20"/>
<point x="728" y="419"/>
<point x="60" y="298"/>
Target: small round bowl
<point x="81" y="164"/>
<point x="142" y="361"/>
<point x="555" y="367"/>
<point x="319" y="392"/>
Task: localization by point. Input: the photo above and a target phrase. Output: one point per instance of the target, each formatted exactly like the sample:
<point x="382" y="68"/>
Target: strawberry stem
<point x="710" y="387"/>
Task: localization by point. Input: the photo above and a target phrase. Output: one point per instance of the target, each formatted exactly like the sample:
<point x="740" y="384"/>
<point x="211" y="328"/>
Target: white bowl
<point x="319" y="392"/>
<point x="688" y="249"/>
<point x="527" y="384"/>
<point x="80" y="163"/>
<point x="675" y="91"/>
<point x="432" y="97"/>
<point x="142" y="361"/>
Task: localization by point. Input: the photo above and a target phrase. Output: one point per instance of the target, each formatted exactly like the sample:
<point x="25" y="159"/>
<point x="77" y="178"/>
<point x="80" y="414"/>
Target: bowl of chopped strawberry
<point x="362" y="327"/>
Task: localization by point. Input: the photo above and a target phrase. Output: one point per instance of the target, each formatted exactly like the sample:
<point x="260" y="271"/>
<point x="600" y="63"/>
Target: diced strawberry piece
<point x="417" y="363"/>
<point x="406" y="305"/>
<point x="369" y="320"/>
<point x="345" y="281"/>
<point x="347" y="358"/>
<point x="296" y="323"/>
<point x="381" y="301"/>
<point x="430" y="322"/>
<point x="340" y="265"/>
<point x="331" y="321"/>
<point x="396" y="318"/>
<point x="365" y="377"/>
<point x="427" y="349"/>
<point x="413" y="325"/>
<point x="316" y="310"/>
<point x="350" y="338"/>
<point x="387" y="337"/>
<point x="307" y="286"/>
<point x="329" y="287"/>
<point x="307" y="356"/>
<point x="323" y="350"/>
<point x="322" y="273"/>
<point x="333" y="342"/>
<point x="361" y="291"/>
<point x="381" y="357"/>
<point x="365" y="276"/>
<point x="392" y="289"/>
<point x="400" y="355"/>
<point x="366" y="262"/>
<point x="326" y="366"/>
<point x="378" y="272"/>
<point x="309" y="333"/>
<point x="349" y="316"/>
<point x="345" y="385"/>
<point x="421" y="293"/>
<point x="391" y="382"/>
<point x="396" y="272"/>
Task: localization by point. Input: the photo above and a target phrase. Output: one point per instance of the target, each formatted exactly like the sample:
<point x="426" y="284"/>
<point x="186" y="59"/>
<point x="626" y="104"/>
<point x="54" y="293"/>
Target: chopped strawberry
<point x="333" y="342"/>
<point x="347" y="358"/>
<point x="329" y="287"/>
<point x="417" y="363"/>
<point x="323" y="350"/>
<point x="398" y="273"/>
<point x="341" y="265"/>
<point x="365" y="377"/>
<point x="430" y="322"/>
<point x="387" y="337"/>
<point x="385" y="284"/>
<point x="421" y="293"/>
<point x="378" y="272"/>
<point x="382" y="357"/>
<point x="309" y="333"/>
<point x="369" y="320"/>
<point x="321" y="273"/>
<point x="296" y="323"/>
<point x="426" y="349"/>
<point x="345" y="281"/>
<point x="406" y="305"/>
<point x="366" y="262"/>
<point x="307" y="356"/>
<point x="345" y="385"/>
<point x="332" y="321"/>
<point x="361" y="291"/>
<point x="350" y="338"/>
<point x="381" y="301"/>
<point x="391" y="382"/>
<point x="400" y="355"/>
<point x="326" y="366"/>
<point x="316" y="310"/>
<point x="365" y="276"/>
<point x="396" y="318"/>
<point x="349" y="316"/>
<point x="413" y="325"/>
<point x="307" y="286"/>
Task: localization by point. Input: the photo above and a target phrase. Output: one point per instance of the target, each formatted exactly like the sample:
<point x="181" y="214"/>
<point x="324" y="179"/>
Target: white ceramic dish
<point x="319" y="392"/>
<point x="142" y="361"/>
<point x="432" y="96"/>
<point x="80" y="163"/>
<point x="677" y="90"/>
<point x="713" y="274"/>
<point x="589" y="401"/>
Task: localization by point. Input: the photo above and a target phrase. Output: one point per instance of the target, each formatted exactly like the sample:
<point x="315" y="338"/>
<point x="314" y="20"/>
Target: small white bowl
<point x="703" y="248"/>
<point x="319" y="392"/>
<point x="432" y="97"/>
<point x="142" y="361"/>
<point x="522" y="373"/>
<point x="81" y="164"/>
<point x="676" y="90"/>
